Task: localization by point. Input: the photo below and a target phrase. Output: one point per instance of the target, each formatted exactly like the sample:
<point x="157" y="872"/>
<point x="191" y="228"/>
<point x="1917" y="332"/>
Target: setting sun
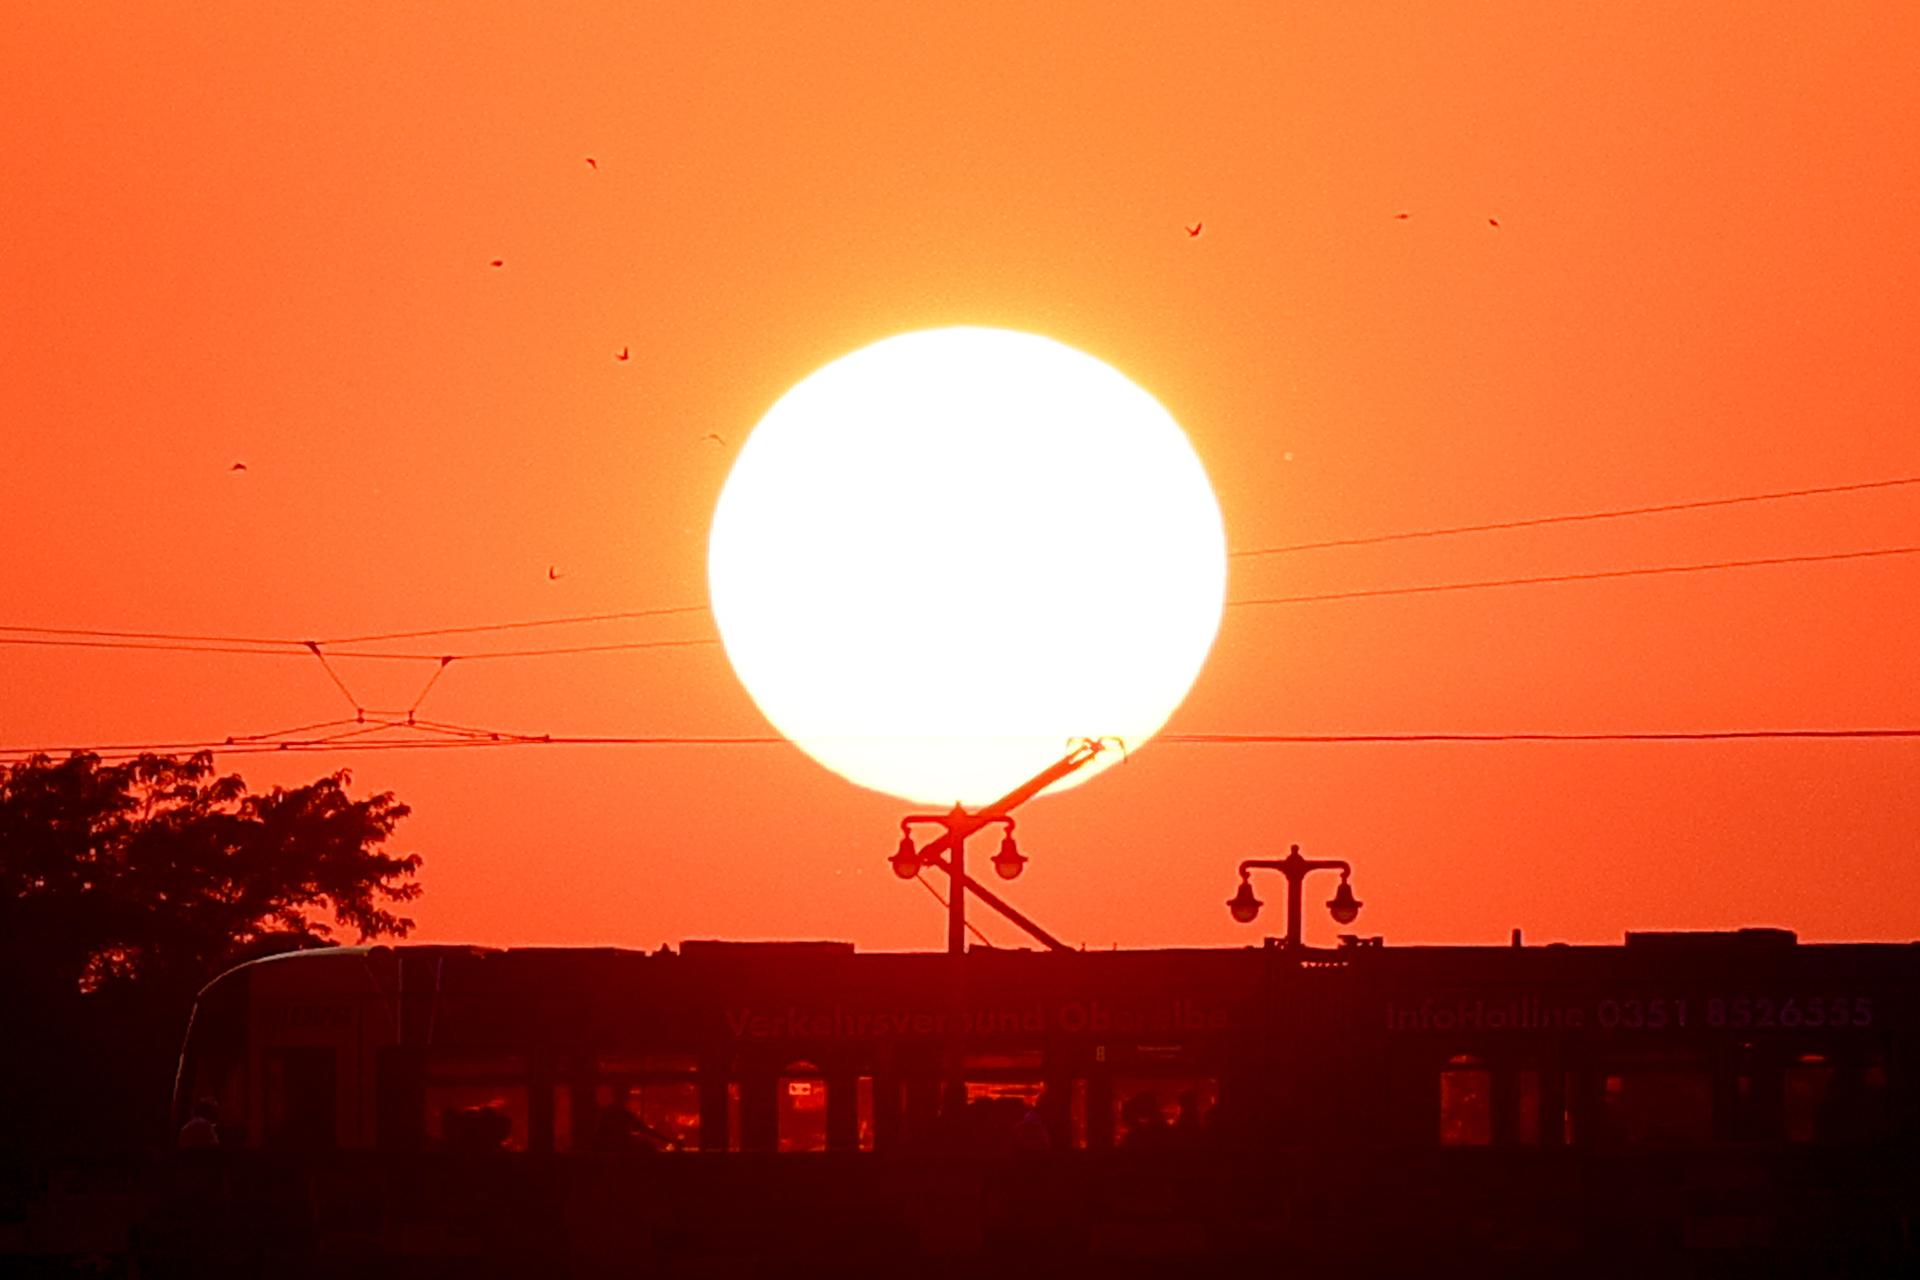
<point x="940" y="558"/>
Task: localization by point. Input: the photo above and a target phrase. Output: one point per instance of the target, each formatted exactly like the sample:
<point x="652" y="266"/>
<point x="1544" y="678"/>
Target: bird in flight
<point x="552" y="576"/>
<point x="238" y="466"/>
<point x="1493" y="222"/>
<point x="716" y="439"/>
<point x="1194" y="230"/>
<point x="592" y="163"/>
<point x="498" y="262"/>
<point x="622" y="355"/>
<point x="1401" y="217"/>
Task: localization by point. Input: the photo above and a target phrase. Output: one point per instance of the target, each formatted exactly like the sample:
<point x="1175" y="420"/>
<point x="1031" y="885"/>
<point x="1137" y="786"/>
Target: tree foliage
<point x="158" y="871"/>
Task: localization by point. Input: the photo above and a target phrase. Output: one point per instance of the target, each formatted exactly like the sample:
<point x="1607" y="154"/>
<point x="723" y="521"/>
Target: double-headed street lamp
<point x="907" y="862"/>
<point x="948" y="851"/>
<point x="1343" y="906"/>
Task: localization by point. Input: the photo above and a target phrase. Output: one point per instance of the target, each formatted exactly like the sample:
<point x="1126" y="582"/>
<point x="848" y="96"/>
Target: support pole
<point x="1019" y="919"/>
<point x="957" y="892"/>
<point x="1296" y="877"/>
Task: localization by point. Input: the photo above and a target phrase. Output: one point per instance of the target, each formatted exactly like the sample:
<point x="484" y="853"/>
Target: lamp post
<point x="947" y="851"/>
<point x="1343" y="906"/>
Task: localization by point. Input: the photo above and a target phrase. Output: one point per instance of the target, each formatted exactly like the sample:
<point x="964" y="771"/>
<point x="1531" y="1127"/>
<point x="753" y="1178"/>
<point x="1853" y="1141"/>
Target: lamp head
<point x="1343" y="906"/>
<point x="906" y="859"/>
<point x="1243" y="904"/>
<point x="1009" y="862"/>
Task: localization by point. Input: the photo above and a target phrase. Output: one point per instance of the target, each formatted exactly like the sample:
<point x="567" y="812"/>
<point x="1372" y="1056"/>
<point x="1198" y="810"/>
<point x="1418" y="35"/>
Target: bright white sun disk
<point x="940" y="558"/>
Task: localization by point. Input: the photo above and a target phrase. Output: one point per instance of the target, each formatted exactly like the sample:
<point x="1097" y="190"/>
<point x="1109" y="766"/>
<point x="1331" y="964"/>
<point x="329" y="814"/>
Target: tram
<point x="1738" y="1090"/>
<point x="1667" y="1040"/>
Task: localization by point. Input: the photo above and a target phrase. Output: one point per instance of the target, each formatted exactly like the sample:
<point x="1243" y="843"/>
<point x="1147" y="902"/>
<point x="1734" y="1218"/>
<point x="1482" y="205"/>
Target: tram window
<point x="1808" y="1086"/>
<point x="1466" y="1103"/>
<point x="648" y="1102"/>
<point x="1657" y="1100"/>
<point x="1024" y="1092"/>
<point x="645" y="1115"/>
<point x="1162" y="1111"/>
<point x="477" y="1117"/>
<point x="733" y="1115"/>
<point x="1828" y="1102"/>
<point x="802" y="1108"/>
<point x="300" y="1098"/>
<point x="1002" y="1088"/>
<point x="477" y="1103"/>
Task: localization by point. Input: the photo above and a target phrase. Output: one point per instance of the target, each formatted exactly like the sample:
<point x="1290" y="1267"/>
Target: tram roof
<point x="1639" y="954"/>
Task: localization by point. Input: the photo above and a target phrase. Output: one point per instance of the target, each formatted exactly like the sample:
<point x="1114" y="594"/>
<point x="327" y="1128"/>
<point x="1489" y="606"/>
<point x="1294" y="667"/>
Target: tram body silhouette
<point x="1726" y="1092"/>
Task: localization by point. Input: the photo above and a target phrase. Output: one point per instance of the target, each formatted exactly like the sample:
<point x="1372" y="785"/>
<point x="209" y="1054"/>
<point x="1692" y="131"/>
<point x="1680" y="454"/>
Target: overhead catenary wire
<point x="1602" y="735"/>
<point x="1595" y="575"/>
<point x="427" y="688"/>
<point x="98" y="634"/>
<point x="462" y="738"/>
<point x="63" y="642"/>
<point x="360" y="733"/>
<point x="94" y="637"/>
<point x="361" y="730"/>
<point x="361" y="654"/>
<point x="313" y="647"/>
<point x="359" y="737"/>
<point x="299" y="728"/>
<point x="617" y="647"/>
<point x="480" y="628"/>
<point x="1618" y="513"/>
<point x="478" y="655"/>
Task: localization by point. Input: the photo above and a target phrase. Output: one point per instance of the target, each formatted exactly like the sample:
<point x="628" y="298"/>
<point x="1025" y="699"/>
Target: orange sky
<point x="259" y="233"/>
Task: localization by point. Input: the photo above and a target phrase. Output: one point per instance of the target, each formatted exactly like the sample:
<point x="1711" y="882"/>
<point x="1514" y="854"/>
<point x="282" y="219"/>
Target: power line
<point x="272" y="646"/>
<point x="194" y="642"/>
<point x="427" y="688"/>
<point x="482" y="738"/>
<point x="586" y="648"/>
<point x="1656" y="735"/>
<point x="1596" y="575"/>
<point x="301" y="728"/>
<point x="1592" y="576"/>
<point x="519" y="625"/>
<point x="168" y="647"/>
<point x="93" y="637"/>
<point x="146" y="635"/>
<point x="338" y="683"/>
<point x="299" y="649"/>
<point x="302" y="650"/>
<point x="1699" y="504"/>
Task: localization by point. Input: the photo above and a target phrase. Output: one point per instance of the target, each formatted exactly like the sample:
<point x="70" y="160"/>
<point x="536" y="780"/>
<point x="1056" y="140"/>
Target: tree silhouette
<point x="158" y="871"/>
<point x="123" y="889"/>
